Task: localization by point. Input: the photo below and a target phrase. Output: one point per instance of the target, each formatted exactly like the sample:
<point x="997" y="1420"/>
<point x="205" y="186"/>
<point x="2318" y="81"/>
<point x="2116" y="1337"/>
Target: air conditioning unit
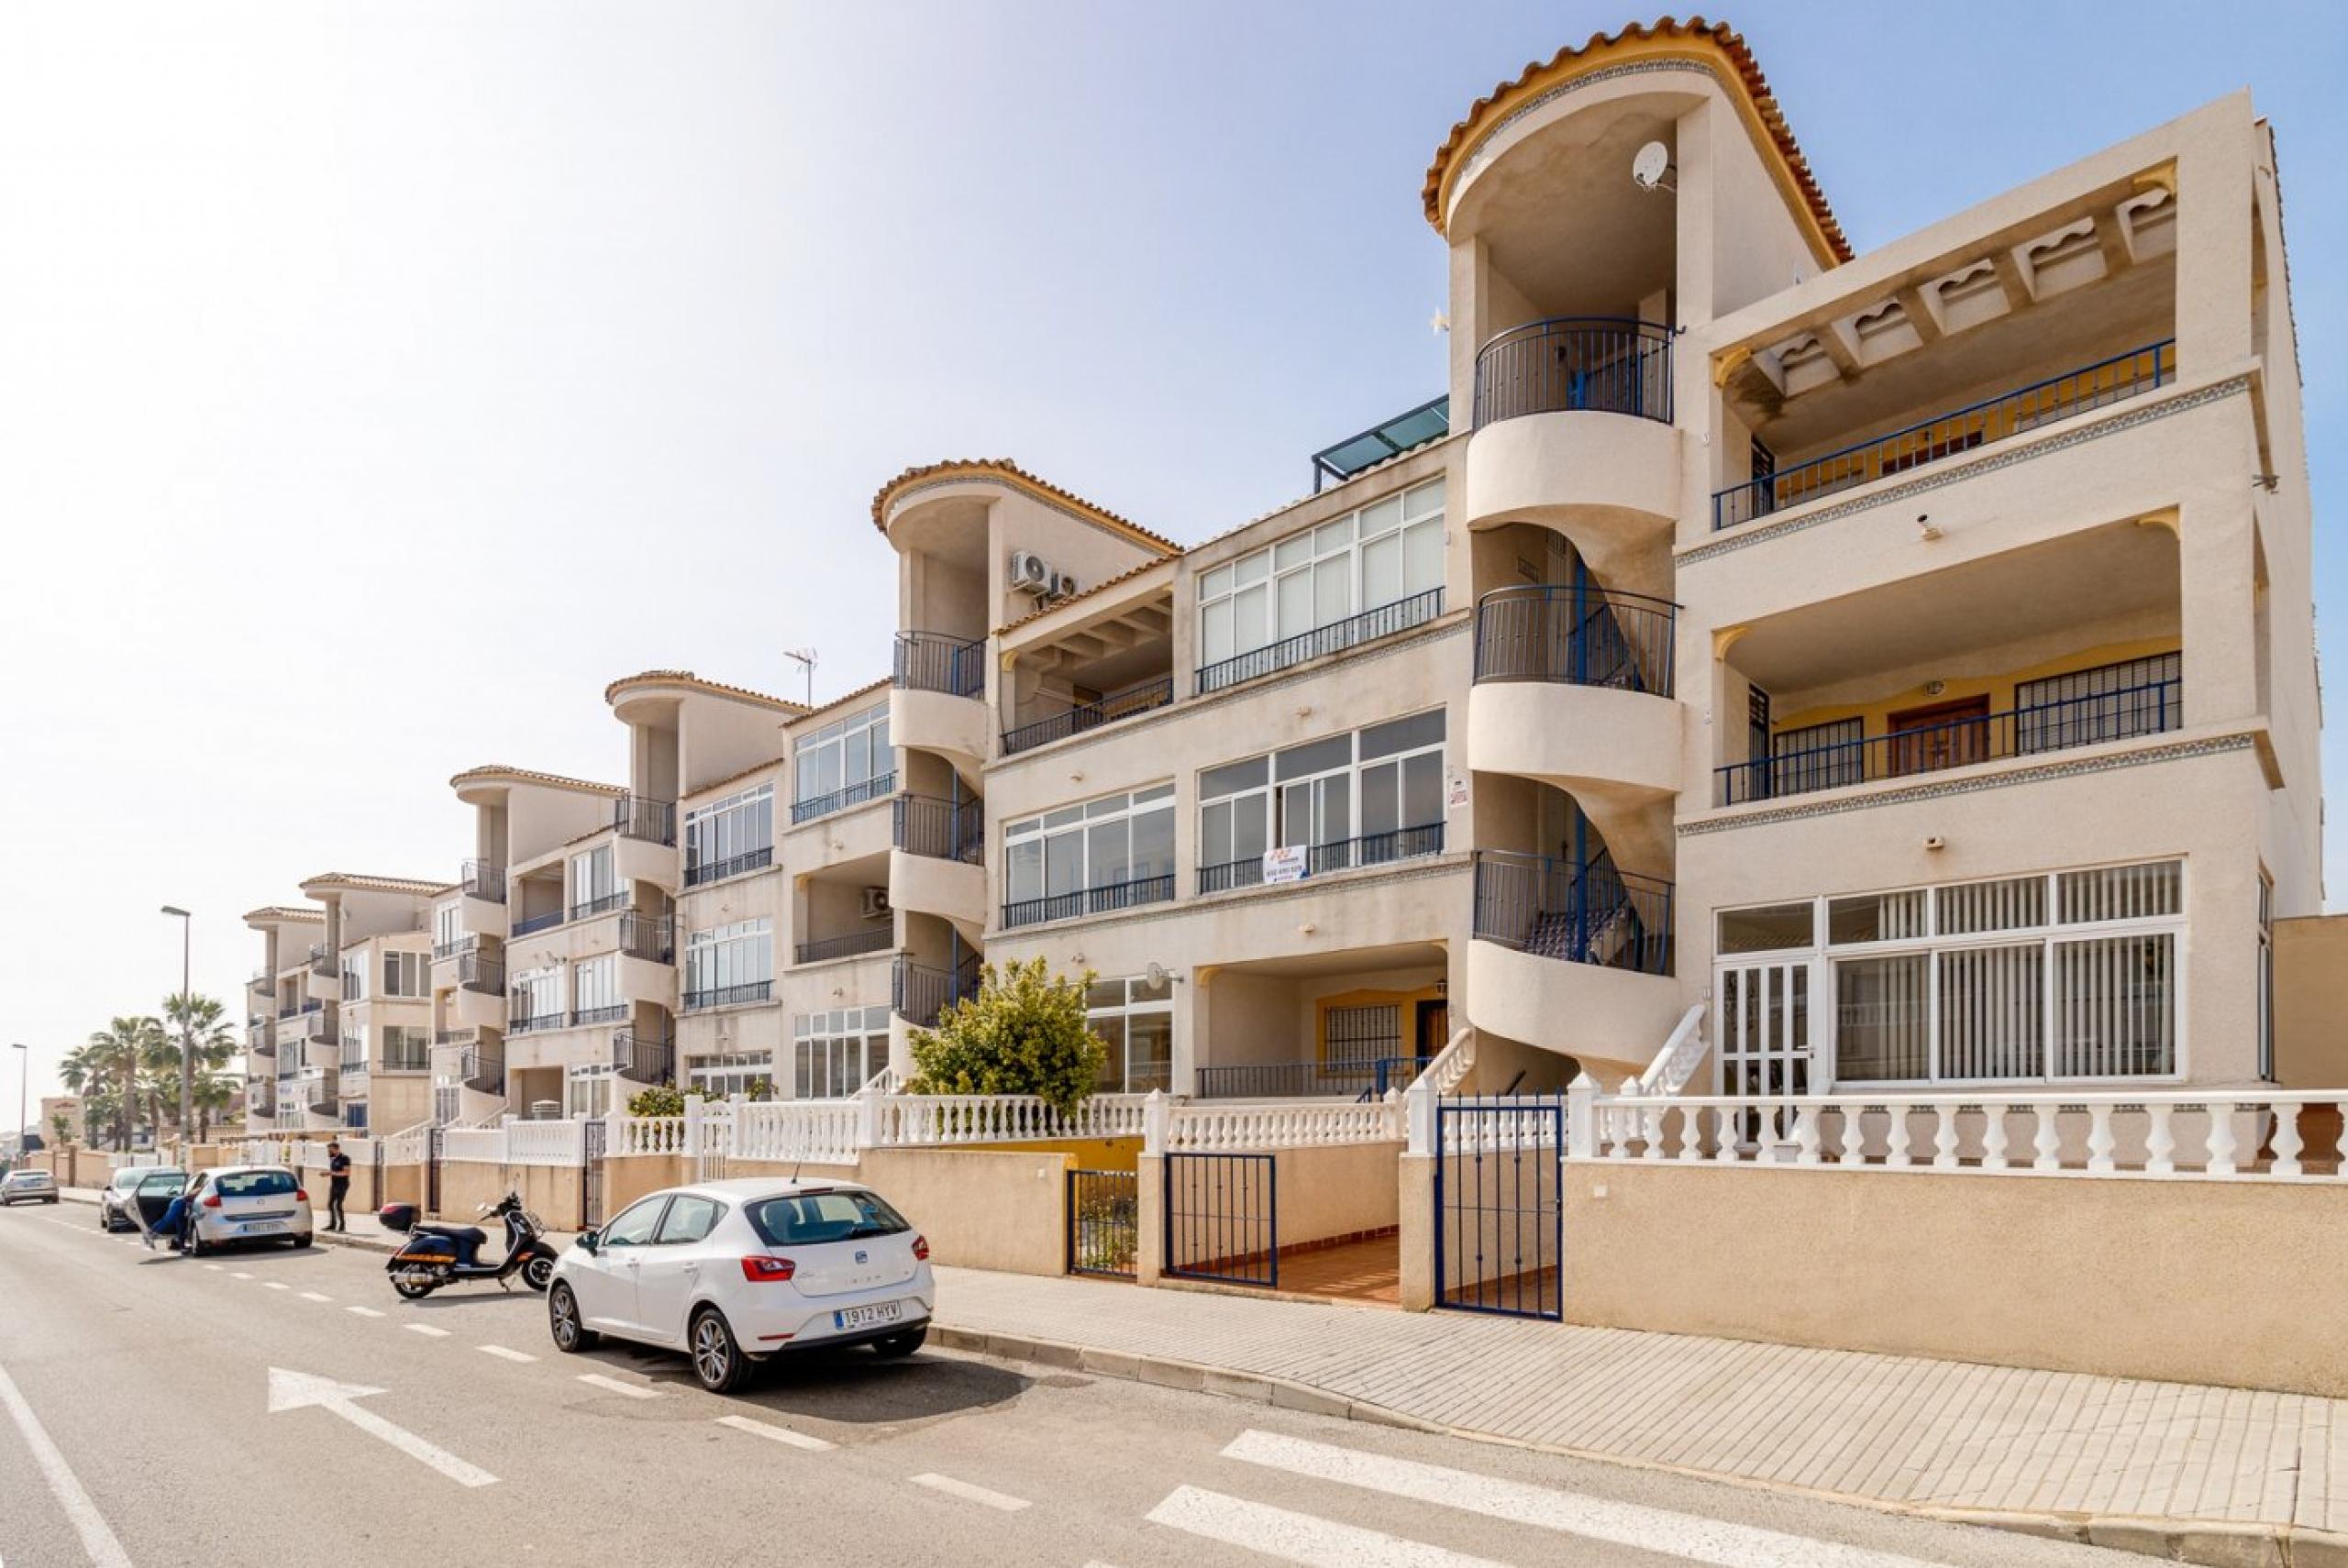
<point x="1063" y="585"/>
<point x="1031" y="573"/>
<point x="876" y="903"/>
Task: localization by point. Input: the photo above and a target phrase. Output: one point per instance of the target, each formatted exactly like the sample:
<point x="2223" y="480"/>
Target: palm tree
<point x="214" y="1092"/>
<point x="112" y="1059"/>
<point x="204" y="1020"/>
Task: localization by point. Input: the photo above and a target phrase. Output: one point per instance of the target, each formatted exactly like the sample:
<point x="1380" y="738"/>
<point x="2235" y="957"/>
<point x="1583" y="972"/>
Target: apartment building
<point x="1888" y="670"/>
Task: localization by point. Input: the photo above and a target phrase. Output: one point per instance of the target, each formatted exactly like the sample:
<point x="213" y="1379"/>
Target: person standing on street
<point x="337" y="1184"/>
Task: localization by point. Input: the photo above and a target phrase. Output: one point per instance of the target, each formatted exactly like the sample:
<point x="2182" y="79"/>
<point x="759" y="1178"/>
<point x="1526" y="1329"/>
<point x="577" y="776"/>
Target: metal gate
<point x="1223" y="1218"/>
<point x="1103" y="1223"/>
<point x="591" y="1173"/>
<point x="432" y="1169"/>
<point x="1499" y="1224"/>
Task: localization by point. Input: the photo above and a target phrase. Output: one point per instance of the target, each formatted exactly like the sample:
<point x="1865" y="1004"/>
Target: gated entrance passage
<point x="432" y="1169"/>
<point x="1103" y="1229"/>
<point x="1498" y="1223"/>
<point x="1223" y="1218"/>
<point x="591" y="1173"/>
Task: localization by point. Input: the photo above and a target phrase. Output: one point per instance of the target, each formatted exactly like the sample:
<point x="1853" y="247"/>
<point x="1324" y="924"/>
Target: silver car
<point x="243" y="1203"/>
<point x="115" y="1199"/>
<point x="28" y="1186"/>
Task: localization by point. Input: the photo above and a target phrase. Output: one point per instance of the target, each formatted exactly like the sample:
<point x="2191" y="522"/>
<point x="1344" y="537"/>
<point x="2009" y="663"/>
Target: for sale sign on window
<point x="1285" y="863"/>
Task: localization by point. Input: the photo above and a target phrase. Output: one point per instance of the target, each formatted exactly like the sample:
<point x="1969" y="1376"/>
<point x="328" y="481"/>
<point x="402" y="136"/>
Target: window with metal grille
<point x="1363" y="1034"/>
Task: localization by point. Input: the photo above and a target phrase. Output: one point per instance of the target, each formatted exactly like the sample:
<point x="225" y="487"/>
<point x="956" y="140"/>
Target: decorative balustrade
<point x="484" y="1145"/>
<point x="917" y="1119"/>
<point x="560" y="1144"/>
<point x="1309" y="1124"/>
<point x="649" y="1135"/>
<point x="823" y="1130"/>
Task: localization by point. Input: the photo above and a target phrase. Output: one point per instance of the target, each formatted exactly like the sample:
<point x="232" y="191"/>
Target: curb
<point x="2211" y="1542"/>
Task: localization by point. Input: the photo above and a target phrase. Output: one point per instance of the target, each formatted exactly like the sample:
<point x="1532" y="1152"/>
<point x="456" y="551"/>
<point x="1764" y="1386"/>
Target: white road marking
<point x="774" y="1433"/>
<point x="1299" y="1537"/>
<point x="214" y="1267"/>
<point x="296" y="1390"/>
<point x="425" y="1329"/>
<point x="501" y="1353"/>
<point x="275" y="1285"/>
<point x="969" y="1494"/>
<point x="314" y="1295"/>
<point x="239" y="1273"/>
<point x="98" y="1540"/>
<point x="613" y="1383"/>
<point x="363" y="1311"/>
<point x="1716" y="1543"/>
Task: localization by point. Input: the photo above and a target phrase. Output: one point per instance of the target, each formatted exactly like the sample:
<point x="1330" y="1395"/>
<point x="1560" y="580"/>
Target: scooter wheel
<point x="412" y="1292"/>
<point x="538" y="1273"/>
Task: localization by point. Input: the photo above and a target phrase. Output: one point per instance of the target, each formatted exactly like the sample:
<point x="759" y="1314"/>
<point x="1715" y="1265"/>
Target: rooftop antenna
<point x="1651" y="167"/>
<point x="805" y="660"/>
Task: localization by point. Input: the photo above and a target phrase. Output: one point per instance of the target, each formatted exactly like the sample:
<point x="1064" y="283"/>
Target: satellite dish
<point x="1649" y="166"/>
<point x="1154" y="974"/>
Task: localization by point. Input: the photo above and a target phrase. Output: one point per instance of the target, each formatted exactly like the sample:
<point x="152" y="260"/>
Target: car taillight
<point x="756" y="1269"/>
<point x="212" y="1200"/>
<point x="921" y="1249"/>
<point x="303" y="1193"/>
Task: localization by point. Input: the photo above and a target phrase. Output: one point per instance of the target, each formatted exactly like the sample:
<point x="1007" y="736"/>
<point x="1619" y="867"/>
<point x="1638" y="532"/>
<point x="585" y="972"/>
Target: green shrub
<point x="1025" y="1033"/>
<point x="659" y="1100"/>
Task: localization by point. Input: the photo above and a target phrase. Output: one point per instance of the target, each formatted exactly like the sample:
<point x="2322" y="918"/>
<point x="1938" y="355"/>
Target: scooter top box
<point x="397" y="1216"/>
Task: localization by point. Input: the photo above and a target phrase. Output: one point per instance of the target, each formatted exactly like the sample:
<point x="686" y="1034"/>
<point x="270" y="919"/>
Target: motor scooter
<point x="435" y="1255"/>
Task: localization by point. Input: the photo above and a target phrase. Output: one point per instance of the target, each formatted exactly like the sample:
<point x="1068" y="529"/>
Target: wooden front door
<point x="1945" y="735"/>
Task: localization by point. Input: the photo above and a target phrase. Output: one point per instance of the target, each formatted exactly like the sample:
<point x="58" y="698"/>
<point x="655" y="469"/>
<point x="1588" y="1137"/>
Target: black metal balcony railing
<point x="856" y="794"/>
<point x="646" y="1058"/>
<point x="290" y="1010"/>
<point x="1367" y="1079"/>
<point x="1575" y="635"/>
<point x="454" y="1036"/>
<point x="483" y="880"/>
<point x="353" y="1058"/>
<point x="641" y="817"/>
<point x="1344" y="855"/>
<point x="480" y="972"/>
<point x="1573" y="363"/>
<point x="920" y="994"/>
<point x="700" y="871"/>
<point x="932" y="662"/>
<point x="582" y="1018"/>
<point x="314" y="1005"/>
<point x="649" y="937"/>
<point x="482" y="1068"/>
<point x="533" y="1023"/>
<point x="729" y="996"/>
<point x="1090" y="900"/>
<point x="877" y="940"/>
<point x="1366" y="627"/>
<point x="2016" y="413"/>
<point x="260" y="1048"/>
<point x="546" y="921"/>
<point x="322" y="962"/>
<point x="1142" y="698"/>
<point x="1581" y="911"/>
<point x="942" y="829"/>
<point x="2150" y="709"/>
<point x="603" y="904"/>
<point x="450" y="949"/>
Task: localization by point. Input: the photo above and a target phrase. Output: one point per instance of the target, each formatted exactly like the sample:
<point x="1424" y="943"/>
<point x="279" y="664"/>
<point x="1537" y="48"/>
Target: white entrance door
<point x="1764" y="1019"/>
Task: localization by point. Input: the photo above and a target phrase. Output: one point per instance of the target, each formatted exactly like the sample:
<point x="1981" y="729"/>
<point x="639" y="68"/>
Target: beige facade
<point x="1904" y="658"/>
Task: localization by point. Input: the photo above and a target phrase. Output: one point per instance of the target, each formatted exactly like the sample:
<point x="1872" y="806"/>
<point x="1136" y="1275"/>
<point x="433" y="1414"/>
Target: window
<point x="1136" y="1018"/>
<point x="594" y="888"/>
<point x="255" y="1184"/>
<point x="595" y="989"/>
<point x="1361" y="1036"/>
<point x="1389" y="551"/>
<point x="816" y="1216"/>
<point x="1358" y="798"/>
<point x="408" y="975"/>
<point x="728" y="964"/>
<point x="690" y="1219"/>
<point x="835" y="1054"/>
<point x="846" y="761"/>
<point x="406" y="1048"/>
<point x="534" y="995"/>
<point x="587" y="1091"/>
<point x="732" y="1073"/>
<point x="1108" y="854"/>
<point x="635" y="1227"/>
<point x="730" y="836"/>
<point x="354" y="974"/>
<point x="447" y="928"/>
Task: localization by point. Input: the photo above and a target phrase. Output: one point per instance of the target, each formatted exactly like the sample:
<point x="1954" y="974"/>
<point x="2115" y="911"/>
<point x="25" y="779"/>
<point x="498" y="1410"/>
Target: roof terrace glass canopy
<point x="1429" y="422"/>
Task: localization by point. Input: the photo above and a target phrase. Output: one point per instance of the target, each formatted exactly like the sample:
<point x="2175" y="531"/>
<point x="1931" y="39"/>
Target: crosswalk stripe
<point x="968" y="1493"/>
<point x="1715" y="1542"/>
<point x="615" y="1385"/>
<point x="773" y="1433"/>
<point x="501" y="1353"/>
<point x="1299" y="1537"/>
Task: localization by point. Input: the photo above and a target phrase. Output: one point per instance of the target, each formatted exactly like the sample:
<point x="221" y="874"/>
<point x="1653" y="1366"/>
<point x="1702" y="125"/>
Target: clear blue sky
<point x="380" y="381"/>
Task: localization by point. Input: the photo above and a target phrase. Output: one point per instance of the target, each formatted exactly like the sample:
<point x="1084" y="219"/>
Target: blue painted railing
<point x="1581" y="911"/>
<point x="1576" y="635"/>
<point x="932" y="662"/>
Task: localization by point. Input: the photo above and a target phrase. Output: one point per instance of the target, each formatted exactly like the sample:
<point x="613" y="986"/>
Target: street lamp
<point x="24" y="1082"/>
<point x="187" y="1021"/>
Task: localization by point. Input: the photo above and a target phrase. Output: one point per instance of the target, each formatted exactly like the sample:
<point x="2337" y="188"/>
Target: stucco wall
<point x="2311" y="1003"/>
<point x="2197" y="1281"/>
<point x="979" y="1208"/>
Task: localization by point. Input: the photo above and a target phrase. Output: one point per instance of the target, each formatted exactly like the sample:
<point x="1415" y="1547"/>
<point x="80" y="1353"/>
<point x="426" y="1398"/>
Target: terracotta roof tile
<point x="845" y="697"/>
<point x="1700" y="37"/>
<point x="713" y="786"/>
<point x="271" y="913"/>
<point x="1006" y="471"/>
<point x="687" y="677"/>
<point x="351" y="882"/>
<point x="494" y="772"/>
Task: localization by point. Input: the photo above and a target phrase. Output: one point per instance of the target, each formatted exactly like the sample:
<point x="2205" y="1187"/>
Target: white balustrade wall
<point x="546" y="1144"/>
<point x="486" y="1144"/>
<point x="822" y="1131"/>
<point x="1221" y="1125"/>
<point x="649" y="1136"/>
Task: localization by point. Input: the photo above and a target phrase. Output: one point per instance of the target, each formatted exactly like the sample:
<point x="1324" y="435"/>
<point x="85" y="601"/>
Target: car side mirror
<point x="587" y="1243"/>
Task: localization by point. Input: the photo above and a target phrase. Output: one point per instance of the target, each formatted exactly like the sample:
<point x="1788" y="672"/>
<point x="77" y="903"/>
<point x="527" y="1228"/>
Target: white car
<point x="734" y="1271"/>
<point x="244" y="1203"/>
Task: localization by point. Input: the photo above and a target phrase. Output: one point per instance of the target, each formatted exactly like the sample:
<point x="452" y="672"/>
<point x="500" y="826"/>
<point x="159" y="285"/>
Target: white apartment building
<point x="1906" y="659"/>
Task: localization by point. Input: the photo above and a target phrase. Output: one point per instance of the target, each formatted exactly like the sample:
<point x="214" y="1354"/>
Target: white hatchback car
<point x="734" y="1271"/>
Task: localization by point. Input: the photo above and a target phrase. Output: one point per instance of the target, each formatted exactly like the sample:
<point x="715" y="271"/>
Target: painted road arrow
<point x="297" y="1390"/>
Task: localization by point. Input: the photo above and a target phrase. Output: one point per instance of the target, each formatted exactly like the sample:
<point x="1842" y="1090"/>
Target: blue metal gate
<point x="1223" y="1218"/>
<point x="1499" y="1222"/>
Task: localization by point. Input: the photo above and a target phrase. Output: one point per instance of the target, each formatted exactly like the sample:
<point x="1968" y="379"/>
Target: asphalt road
<point x="136" y="1427"/>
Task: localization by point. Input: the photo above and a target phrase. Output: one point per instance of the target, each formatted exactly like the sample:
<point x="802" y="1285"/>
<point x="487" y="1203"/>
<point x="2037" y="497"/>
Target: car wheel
<point x="191" y="1242"/>
<point x="903" y="1344"/>
<point x="718" y="1361"/>
<point x="570" y="1335"/>
<point x="303" y="1239"/>
<point x="538" y="1273"/>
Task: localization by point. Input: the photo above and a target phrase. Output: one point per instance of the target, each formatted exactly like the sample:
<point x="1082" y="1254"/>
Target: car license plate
<point x="865" y="1317"/>
<point x="261" y="1227"/>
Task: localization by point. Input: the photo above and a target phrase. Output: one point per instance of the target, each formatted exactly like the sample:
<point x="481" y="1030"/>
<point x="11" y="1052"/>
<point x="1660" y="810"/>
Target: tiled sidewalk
<point x="1893" y="1430"/>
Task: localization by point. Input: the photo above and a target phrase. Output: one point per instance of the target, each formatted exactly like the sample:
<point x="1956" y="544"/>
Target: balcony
<point x="729" y="996"/>
<point x="410" y="1055"/>
<point x="546" y="921"/>
<point x="1336" y="637"/>
<point x="536" y="1023"/>
<point x="880" y="939"/>
<point x="351" y="1079"/>
<point x="942" y="829"/>
<point x="481" y="973"/>
<point x="920" y="994"/>
<point x="854" y="794"/>
<point x="2017" y="413"/>
<point x="651" y="938"/>
<point x="645" y="820"/>
<point x="1090" y="901"/>
<point x="482" y="879"/>
<point x="1576" y="364"/>
<point x="445" y="950"/>
<point x="1320" y="859"/>
<point x="320" y="1091"/>
<point x="697" y="873"/>
<point x="1577" y="911"/>
<point x="323" y="964"/>
<point x="1143" y="697"/>
<point x="1575" y="635"/>
<point x="589" y="1017"/>
<point x="2148" y="708"/>
<point x="481" y="1067"/>
<point x="642" y="1057"/>
<point x="933" y="661"/>
<point x="1368" y="1078"/>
